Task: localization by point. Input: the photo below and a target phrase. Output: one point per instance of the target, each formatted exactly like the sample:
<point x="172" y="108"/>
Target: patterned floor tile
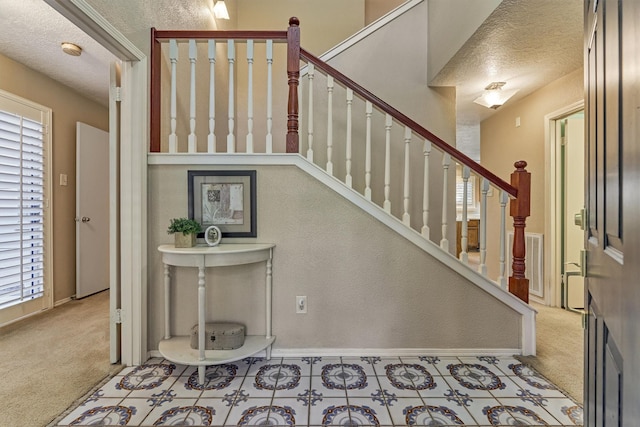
<point x="525" y="413"/>
<point x="322" y="391"/>
<point x="362" y="407"/>
<point x="401" y="407"/>
<point x="477" y="409"/>
<point x="249" y="412"/>
<point x="93" y="411"/>
<point x="328" y="389"/>
<point x="174" y="414"/>
<point x="141" y="408"/>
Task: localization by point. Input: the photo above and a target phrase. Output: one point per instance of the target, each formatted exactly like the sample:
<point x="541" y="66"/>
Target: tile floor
<point x="331" y="391"/>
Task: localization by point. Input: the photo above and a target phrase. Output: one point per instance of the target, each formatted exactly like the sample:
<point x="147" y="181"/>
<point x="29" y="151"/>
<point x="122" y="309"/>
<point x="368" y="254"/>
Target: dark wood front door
<point x="612" y="376"/>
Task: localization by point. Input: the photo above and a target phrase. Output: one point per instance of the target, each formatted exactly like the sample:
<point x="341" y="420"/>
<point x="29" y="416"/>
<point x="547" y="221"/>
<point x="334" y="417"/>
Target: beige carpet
<point x="560" y="349"/>
<point x="50" y="360"/>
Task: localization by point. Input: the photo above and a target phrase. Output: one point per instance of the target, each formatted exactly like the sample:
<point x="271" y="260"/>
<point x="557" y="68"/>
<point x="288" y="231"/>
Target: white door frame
<point x="133" y="172"/>
<point x="553" y="217"/>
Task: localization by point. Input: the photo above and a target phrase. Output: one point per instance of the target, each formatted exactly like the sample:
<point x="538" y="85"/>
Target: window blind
<point x="22" y="203"/>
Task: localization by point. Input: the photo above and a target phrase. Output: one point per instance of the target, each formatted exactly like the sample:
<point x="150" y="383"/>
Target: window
<point x="24" y="148"/>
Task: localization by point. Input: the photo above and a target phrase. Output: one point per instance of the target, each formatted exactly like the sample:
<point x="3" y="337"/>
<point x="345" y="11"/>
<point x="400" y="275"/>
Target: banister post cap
<point x="520" y="165"/>
<point x="294" y="22"/>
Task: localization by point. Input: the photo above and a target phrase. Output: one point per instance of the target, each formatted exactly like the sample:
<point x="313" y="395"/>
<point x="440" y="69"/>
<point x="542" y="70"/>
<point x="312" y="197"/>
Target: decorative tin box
<point x="219" y="336"/>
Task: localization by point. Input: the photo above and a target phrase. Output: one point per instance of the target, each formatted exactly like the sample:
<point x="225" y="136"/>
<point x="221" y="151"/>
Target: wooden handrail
<point x="397" y="115"/>
<point x="220" y="34"/>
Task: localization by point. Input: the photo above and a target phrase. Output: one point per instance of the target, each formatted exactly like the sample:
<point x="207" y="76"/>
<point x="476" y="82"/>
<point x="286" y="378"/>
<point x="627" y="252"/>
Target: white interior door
<point x="574" y="203"/>
<point x="92" y="210"/>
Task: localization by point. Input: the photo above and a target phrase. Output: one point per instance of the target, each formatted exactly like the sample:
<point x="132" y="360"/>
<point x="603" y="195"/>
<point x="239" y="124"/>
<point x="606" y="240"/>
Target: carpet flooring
<point x="560" y="349"/>
<point x="50" y="360"/>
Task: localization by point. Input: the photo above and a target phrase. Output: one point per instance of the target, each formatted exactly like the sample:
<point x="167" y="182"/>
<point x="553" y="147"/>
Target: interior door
<point x="92" y="210"/>
<point x="573" y="236"/>
<point x="612" y="237"/>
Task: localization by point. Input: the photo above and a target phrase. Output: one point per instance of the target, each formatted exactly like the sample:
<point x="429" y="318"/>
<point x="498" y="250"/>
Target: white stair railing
<point x="381" y="157"/>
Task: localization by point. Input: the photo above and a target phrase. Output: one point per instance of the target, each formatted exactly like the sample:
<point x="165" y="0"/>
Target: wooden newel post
<point x="520" y="209"/>
<point x="293" y="74"/>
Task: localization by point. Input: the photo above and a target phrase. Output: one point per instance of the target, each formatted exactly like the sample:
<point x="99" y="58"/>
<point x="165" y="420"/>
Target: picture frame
<point x="224" y="198"/>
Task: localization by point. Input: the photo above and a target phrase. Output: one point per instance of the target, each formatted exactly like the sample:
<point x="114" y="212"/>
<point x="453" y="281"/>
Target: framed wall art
<point x="226" y="199"/>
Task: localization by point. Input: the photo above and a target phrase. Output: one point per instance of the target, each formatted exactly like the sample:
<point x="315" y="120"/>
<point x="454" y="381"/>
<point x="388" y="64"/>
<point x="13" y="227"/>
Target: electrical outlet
<point x="301" y="305"/>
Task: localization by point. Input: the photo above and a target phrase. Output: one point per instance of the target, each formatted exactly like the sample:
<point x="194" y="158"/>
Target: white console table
<point x="178" y="349"/>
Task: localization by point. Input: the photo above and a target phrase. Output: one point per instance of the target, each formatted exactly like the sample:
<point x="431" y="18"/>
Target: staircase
<point x="359" y="197"/>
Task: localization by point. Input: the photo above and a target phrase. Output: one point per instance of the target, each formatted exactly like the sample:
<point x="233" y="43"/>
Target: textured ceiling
<point x="527" y="43"/>
<point x="31" y="33"/>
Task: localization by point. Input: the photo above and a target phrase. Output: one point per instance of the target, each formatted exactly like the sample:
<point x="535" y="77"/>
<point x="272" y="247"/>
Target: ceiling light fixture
<point x="71" y="49"/>
<point x="494" y="97"/>
<point x="220" y="10"/>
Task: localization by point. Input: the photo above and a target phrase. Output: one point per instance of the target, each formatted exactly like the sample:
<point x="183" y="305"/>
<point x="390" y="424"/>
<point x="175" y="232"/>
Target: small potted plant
<point x="185" y="231"/>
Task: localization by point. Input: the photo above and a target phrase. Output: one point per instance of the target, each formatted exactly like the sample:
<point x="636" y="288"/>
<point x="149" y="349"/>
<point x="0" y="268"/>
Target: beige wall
<point x="374" y="9"/>
<point x="502" y="144"/>
<point x="323" y="24"/>
<point x="355" y="271"/>
<point x="68" y="108"/>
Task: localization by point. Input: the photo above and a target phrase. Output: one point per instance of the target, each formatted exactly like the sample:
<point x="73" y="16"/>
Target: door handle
<point x="582" y="265"/>
<point x="86" y="219"/>
<point x="578" y="219"/>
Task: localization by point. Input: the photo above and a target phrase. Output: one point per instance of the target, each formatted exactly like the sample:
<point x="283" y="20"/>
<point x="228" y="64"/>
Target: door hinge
<point x="117" y="93"/>
<point x="117" y="316"/>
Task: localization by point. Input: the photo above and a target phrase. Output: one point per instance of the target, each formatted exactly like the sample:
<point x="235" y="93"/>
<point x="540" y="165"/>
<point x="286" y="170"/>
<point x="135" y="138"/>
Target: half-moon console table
<point x="178" y="349"/>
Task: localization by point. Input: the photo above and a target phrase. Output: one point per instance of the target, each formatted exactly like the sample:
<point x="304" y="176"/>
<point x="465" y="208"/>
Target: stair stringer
<point x="528" y="313"/>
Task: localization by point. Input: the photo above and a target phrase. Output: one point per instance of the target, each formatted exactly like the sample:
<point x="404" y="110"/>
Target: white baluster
<point x="406" y="218"/>
<point x="250" y="96"/>
<point x="311" y="75"/>
<point x="502" y="280"/>
<point x="482" y="268"/>
<point x="446" y="161"/>
<point x="193" y="56"/>
<point x="231" y="56"/>
<point x="211" y="139"/>
<point x="387" y="163"/>
<point x="173" y="57"/>
<point x="425" y="190"/>
<point x="329" y="124"/>
<point x="464" y="239"/>
<point x="367" y="155"/>
<point x="269" y="140"/>
<point x="348" y="178"/>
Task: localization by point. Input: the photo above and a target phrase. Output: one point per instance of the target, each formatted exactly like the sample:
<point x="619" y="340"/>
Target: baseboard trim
<point x="381" y="352"/>
<point x="62" y="301"/>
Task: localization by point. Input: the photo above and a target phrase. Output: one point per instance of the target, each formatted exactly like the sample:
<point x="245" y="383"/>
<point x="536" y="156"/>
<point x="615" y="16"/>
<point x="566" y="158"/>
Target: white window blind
<point x="22" y="203"/>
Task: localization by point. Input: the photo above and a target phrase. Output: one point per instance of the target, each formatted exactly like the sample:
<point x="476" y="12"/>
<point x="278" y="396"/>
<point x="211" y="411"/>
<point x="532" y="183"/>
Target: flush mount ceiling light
<point x="494" y="97"/>
<point x="220" y="10"/>
<point x="71" y="49"/>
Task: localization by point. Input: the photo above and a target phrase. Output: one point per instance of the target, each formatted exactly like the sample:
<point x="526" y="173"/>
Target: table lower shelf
<point x="178" y="350"/>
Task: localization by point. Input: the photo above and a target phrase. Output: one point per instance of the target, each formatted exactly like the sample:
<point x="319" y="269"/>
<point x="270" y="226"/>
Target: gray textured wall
<point x="366" y="286"/>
